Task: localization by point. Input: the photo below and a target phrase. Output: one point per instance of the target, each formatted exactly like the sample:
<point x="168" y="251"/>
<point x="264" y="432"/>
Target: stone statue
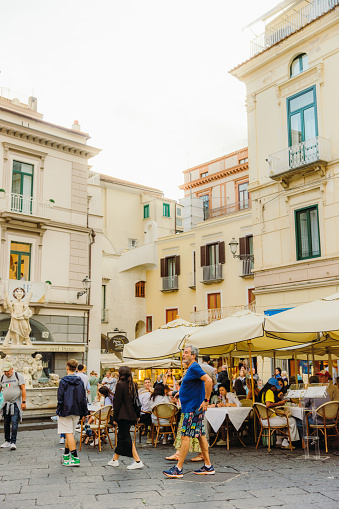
<point x="37" y="366"/>
<point x="28" y="377"/>
<point x="53" y="380"/>
<point x="19" y="328"/>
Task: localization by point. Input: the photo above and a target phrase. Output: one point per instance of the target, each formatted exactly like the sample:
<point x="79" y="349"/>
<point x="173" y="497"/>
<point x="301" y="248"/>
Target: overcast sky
<point x="147" y="79"/>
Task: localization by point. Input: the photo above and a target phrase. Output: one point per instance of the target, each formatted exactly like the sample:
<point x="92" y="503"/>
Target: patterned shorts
<point x="193" y="425"/>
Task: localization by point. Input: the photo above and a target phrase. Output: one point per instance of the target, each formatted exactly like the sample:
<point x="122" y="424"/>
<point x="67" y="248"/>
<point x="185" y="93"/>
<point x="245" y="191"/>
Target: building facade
<point x="47" y="232"/>
<point x="293" y="136"/>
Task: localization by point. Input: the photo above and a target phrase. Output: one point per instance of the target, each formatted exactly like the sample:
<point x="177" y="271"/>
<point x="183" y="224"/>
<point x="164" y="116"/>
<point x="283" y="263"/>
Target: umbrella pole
<point x="308" y="370"/>
<point x="313" y="360"/>
<point x="273" y="362"/>
<point x="296" y="368"/>
<point x="181" y="366"/>
<point x="253" y="395"/>
<point x="230" y="375"/>
<point x="329" y="364"/>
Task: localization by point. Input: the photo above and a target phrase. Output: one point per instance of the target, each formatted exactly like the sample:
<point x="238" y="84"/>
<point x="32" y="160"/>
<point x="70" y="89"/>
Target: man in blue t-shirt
<point x="194" y="395"/>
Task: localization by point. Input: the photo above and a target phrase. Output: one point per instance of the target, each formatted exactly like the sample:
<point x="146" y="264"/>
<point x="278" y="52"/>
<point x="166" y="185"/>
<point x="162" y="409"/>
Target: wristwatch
<point x="205" y="400"/>
<point x="23" y="401"/>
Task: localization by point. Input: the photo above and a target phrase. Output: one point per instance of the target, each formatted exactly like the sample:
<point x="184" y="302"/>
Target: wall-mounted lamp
<point x="234" y="246"/>
<point x="87" y="285"/>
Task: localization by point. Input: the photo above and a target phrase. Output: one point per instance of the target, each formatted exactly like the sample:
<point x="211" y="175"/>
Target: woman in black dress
<point x="124" y="415"/>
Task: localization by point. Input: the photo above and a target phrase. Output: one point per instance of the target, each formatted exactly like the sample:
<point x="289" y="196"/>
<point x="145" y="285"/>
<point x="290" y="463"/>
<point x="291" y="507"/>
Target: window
<point x="214" y="301"/>
<point x="302" y="117"/>
<point x="169" y="272"/>
<point x="246" y="255"/>
<point x="22" y="187"/>
<point x="103" y="304"/>
<point x="179" y="221"/>
<point x="307" y="233"/>
<point x="243" y="195"/>
<point x="140" y="289"/>
<point x="242" y="161"/>
<point x="20" y="261"/>
<point x="171" y="314"/>
<point x="206" y="205"/>
<point x="178" y="211"/>
<point x="166" y="210"/>
<point x="146" y="211"/>
<point x="149" y="324"/>
<point x="132" y="243"/>
<point x="299" y="64"/>
<point x="250" y="296"/>
<point x="212" y="254"/>
<point x="204" y="174"/>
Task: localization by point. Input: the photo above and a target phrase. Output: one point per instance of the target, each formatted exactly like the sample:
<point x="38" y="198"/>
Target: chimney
<point x="76" y="126"/>
<point x="33" y="103"/>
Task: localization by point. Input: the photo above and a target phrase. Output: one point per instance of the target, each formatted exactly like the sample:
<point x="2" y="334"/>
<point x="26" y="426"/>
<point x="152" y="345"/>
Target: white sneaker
<point x="78" y="429"/>
<point x="113" y="463"/>
<point x="62" y="440"/>
<point x="13" y="447"/>
<point x="149" y="441"/>
<point x="6" y="444"/>
<point x="285" y="443"/>
<point x="135" y="465"/>
<point x="221" y="442"/>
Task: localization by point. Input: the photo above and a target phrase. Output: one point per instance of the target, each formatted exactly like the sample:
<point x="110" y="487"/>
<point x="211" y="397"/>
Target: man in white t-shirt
<point x="82" y="373"/>
<point x="12" y="385"/>
<point x="145" y="414"/>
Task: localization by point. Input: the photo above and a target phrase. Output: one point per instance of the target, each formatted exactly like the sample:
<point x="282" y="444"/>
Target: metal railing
<point x="169" y="284"/>
<point x="290" y="24"/>
<point x="212" y="273"/>
<point x="192" y="276"/>
<point x="229" y="208"/>
<point x="300" y="155"/>
<point x="247" y="267"/>
<point x="211" y="315"/>
<point x="27" y="205"/>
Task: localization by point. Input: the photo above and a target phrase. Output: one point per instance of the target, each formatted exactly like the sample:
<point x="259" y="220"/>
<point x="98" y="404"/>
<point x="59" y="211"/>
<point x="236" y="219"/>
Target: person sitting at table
<point x="308" y="403"/>
<point x="225" y="399"/>
<point x="267" y="396"/>
<point x="284" y="376"/>
<point x="158" y="397"/>
<point x="242" y="375"/>
<point x="239" y="388"/>
<point x="332" y="390"/>
<point x="277" y="373"/>
<point x="283" y="389"/>
<point x="169" y="379"/>
<point x="249" y="389"/>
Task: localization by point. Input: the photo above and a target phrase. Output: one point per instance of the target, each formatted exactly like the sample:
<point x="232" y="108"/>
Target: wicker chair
<point x="264" y="413"/>
<point x="166" y="411"/>
<point x="100" y="427"/>
<point x="140" y="428"/>
<point x="329" y="412"/>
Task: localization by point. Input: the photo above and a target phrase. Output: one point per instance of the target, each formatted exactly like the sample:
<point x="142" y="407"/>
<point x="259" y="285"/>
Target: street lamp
<point x="87" y="285"/>
<point x="234" y="246"/>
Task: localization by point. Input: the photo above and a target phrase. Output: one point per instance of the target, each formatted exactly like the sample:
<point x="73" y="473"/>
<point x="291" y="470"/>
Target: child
<point x="72" y="405"/>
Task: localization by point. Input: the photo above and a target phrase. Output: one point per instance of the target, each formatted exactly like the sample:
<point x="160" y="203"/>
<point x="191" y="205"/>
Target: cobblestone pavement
<point x="33" y="476"/>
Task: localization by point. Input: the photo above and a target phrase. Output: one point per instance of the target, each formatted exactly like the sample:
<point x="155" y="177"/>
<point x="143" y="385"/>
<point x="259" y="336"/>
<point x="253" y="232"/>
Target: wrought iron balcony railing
<point x="291" y="23"/>
<point x="169" y="284"/>
<point x="212" y="273"/>
<point x="230" y="208"/>
<point x="316" y="150"/>
<point x="26" y="205"/>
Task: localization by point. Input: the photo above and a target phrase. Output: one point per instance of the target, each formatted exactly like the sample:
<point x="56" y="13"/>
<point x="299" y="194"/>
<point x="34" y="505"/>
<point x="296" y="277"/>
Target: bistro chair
<point x="329" y="412"/>
<point x="166" y="411"/>
<point x="267" y="430"/>
<point x="140" y="427"/>
<point x="100" y="426"/>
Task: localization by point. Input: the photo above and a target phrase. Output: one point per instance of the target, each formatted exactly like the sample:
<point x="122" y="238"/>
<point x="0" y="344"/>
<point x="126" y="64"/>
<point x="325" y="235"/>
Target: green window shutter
<point x="166" y="210"/>
<point x="146" y="211"/>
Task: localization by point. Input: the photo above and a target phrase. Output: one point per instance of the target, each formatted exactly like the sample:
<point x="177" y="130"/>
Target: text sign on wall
<point x="38" y="289"/>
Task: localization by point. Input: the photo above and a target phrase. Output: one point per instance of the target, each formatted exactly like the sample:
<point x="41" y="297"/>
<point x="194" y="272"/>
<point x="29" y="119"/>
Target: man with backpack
<point x="12" y="385"/>
<point x="72" y="406"/>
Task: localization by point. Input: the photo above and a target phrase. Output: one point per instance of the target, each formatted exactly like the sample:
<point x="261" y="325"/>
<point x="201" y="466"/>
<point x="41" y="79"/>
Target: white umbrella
<point x="161" y="343"/>
<point x="151" y="364"/>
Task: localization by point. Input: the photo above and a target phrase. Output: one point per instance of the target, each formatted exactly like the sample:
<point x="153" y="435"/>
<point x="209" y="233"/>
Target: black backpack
<point x="16" y="376"/>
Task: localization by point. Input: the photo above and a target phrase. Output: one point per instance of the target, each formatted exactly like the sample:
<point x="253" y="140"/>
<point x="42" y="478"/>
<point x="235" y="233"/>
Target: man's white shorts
<point x="67" y="424"/>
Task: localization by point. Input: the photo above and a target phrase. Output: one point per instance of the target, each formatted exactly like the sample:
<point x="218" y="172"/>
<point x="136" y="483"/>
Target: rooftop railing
<point x="299" y="156"/>
<point x="230" y="208"/>
<point x="290" y="24"/>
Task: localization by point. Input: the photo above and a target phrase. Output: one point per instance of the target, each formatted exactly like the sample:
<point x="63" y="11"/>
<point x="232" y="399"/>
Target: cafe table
<point x="235" y="415"/>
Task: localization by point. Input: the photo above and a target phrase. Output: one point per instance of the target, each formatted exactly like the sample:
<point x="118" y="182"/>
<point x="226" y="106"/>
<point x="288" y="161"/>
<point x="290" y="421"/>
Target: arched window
<point x="299" y="64"/>
<point x="140" y="289"/>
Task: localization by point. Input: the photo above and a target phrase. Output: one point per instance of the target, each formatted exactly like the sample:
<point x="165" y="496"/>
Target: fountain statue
<point x="19" y="349"/>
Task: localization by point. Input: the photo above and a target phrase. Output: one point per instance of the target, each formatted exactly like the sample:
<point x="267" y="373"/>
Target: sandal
<point x="175" y="457"/>
<point x="198" y="458"/>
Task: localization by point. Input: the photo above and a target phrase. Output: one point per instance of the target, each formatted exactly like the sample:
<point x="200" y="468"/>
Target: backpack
<point x="16" y="376"/>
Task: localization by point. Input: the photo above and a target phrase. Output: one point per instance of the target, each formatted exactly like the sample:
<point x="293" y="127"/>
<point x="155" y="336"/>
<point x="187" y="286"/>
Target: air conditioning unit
<point x="45" y="334"/>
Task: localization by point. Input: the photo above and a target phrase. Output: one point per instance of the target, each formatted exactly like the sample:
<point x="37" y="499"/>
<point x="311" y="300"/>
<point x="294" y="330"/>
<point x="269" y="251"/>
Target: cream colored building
<point x="48" y="234"/>
<point x="135" y="216"/>
<point x="293" y="133"/>
<point x="196" y="276"/>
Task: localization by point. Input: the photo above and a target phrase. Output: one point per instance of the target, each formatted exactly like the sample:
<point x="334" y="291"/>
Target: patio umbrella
<point x="151" y="364"/>
<point x="161" y="343"/>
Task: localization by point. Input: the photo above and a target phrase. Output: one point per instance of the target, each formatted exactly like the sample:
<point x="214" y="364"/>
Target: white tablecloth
<point x="237" y="415"/>
<point x="296" y="411"/>
<point x="93" y="408"/>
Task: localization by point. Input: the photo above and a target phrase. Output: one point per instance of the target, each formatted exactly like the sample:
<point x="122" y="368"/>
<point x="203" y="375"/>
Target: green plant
<point x="51" y="200"/>
<point x="2" y="191"/>
<point x="48" y="282"/>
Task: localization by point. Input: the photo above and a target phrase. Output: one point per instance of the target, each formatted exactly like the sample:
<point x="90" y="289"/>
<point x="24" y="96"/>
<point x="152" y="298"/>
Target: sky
<point x="147" y="79"/>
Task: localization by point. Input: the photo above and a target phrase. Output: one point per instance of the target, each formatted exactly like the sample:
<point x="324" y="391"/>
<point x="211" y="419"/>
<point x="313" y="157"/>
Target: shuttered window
<point x="170" y="266"/>
<point x="246" y="245"/>
<point x="212" y="254"/>
<point x="140" y="289"/>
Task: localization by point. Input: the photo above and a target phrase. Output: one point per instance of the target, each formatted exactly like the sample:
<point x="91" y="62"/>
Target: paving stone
<point x="258" y="502"/>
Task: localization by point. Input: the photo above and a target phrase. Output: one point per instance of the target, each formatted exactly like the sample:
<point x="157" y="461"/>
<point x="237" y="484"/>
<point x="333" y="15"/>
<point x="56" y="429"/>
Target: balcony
<point x="306" y="154"/>
<point x="230" y="208"/>
<point x="169" y="284"/>
<point x="192" y="280"/>
<point x="212" y="274"/>
<point x="211" y="315"/>
<point x="293" y="22"/>
<point x="247" y="268"/>
<point x="29" y="209"/>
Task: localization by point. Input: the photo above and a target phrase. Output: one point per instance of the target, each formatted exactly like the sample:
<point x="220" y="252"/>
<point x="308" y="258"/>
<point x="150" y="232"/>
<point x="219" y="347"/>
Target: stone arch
<point x="151" y="232"/>
<point x="140" y="329"/>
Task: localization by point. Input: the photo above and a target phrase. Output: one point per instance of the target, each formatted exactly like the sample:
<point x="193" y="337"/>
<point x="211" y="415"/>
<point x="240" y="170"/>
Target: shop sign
<point x="60" y="348"/>
<point x="38" y="289"/>
<point x="116" y="343"/>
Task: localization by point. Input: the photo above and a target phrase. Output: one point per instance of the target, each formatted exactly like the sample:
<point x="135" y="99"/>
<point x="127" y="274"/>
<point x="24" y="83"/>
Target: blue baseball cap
<point x="274" y="381"/>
